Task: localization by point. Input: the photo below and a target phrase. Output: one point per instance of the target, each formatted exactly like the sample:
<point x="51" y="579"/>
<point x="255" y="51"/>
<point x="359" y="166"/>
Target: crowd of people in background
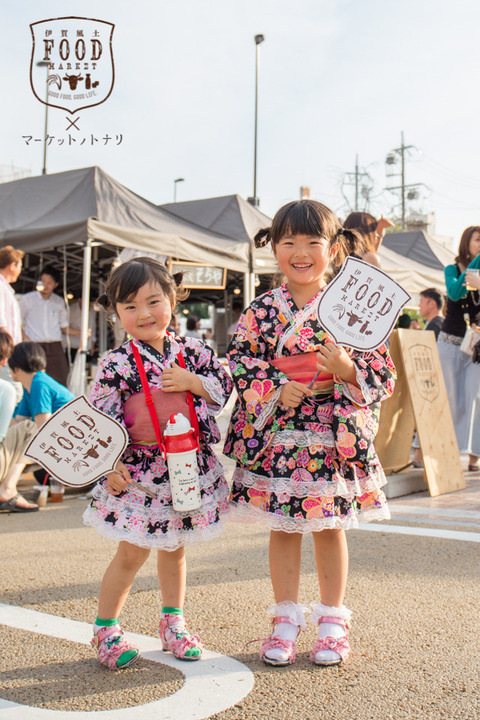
<point x="39" y="329"/>
<point x="317" y="472"/>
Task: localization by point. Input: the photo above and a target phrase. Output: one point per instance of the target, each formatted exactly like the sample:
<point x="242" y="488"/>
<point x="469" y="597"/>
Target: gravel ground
<point x="415" y="630"/>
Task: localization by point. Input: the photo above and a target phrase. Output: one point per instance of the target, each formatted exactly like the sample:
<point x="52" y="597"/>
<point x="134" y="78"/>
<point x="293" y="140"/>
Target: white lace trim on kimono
<point x="261" y="420"/>
<point x="304" y="438"/>
<point x="333" y="486"/>
<point x="249" y="513"/>
<point x="296" y="320"/>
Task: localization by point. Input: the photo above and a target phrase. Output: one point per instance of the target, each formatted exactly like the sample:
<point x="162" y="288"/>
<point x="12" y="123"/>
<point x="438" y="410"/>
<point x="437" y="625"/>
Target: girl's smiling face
<point x="304" y="259"/>
<point x="147" y="315"/>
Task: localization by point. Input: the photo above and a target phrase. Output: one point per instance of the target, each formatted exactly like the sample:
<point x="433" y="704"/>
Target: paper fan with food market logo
<point x="360" y="306"/>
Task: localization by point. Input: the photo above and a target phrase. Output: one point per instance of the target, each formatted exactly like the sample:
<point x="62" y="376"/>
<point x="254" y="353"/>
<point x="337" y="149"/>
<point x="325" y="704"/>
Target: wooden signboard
<point x="420" y="402"/>
<point x="200" y="275"/>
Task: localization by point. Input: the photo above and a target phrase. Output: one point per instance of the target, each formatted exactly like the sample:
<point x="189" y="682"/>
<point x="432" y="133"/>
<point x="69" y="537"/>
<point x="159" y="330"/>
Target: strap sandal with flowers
<point x="280" y="648"/>
<point x="114" y="650"/>
<point x="276" y="650"/>
<point x="176" y="639"/>
<point x="332" y="646"/>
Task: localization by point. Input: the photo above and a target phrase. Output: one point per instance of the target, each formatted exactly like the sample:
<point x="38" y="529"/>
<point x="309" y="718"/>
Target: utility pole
<point x="361" y="181"/>
<point x="391" y="159"/>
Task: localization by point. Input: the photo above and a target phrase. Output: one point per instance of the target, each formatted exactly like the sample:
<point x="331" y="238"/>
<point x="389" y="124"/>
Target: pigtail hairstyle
<point x="352" y="242"/>
<point x="178" y="278"/>
<point x="181" y="292"/>
<point x="104" y="301"/>
<point x="262" y="238"/>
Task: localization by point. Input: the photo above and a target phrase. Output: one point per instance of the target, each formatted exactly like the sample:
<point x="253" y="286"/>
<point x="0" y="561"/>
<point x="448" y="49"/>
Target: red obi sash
<point x="157" y="404"/>
<point x="137" y="416"/>
<point x="303" y="368"/>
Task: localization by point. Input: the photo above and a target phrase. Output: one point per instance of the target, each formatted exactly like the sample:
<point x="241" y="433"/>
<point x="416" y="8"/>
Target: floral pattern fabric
<point x="134" y="516"/>
<point x="315" y="466"/>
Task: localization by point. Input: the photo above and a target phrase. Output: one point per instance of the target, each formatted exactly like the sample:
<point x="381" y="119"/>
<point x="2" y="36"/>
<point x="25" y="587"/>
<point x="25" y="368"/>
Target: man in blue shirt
<point x="42" y="395"/>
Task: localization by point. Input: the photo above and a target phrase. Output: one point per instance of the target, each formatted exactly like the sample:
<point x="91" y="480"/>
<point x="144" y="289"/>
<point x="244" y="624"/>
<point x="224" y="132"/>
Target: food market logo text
<point x="72" y="64"/>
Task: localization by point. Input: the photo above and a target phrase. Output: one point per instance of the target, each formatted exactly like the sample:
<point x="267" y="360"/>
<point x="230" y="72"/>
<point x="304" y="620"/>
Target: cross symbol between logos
<point x="72" y="123"/>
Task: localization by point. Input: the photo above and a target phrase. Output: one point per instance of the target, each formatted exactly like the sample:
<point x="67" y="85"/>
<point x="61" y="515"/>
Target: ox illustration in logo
<point x="77" y="56"/>
<point x="425" y="376"/>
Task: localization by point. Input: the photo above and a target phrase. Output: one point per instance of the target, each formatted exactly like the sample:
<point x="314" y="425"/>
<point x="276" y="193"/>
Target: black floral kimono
<point x="312" y="467"/>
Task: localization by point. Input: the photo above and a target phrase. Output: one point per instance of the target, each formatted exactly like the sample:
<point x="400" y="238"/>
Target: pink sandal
<point x="273" y="642"/>
<point x="176" y="639"/>
<point x="111" y="645"/>
<point x="340" y="645"/>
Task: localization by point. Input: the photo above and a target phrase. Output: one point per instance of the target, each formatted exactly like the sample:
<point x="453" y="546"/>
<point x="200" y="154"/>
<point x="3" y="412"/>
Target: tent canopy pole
<point x="87" y="264"/>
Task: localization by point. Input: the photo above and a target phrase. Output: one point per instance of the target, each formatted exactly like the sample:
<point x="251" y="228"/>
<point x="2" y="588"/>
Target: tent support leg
<point x="87" y="265"/>
<point x="248" y="288"/>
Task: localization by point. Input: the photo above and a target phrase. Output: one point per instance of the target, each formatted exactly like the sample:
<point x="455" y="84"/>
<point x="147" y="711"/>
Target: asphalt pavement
<point x="413" y="588"/>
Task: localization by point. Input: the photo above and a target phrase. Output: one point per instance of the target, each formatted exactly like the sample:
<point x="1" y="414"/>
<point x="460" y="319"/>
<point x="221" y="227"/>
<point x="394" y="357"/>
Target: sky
<point x="337" y="78"/>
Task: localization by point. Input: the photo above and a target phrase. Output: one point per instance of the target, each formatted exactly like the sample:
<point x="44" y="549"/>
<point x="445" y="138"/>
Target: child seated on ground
<point x="42" y="395"/>
<point x="13" y="440"/>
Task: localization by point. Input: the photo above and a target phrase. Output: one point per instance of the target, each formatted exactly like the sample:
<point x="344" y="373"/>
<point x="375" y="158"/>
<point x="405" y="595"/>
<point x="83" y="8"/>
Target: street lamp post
<point x="175" y="187"/>
<point x="249" y="278"/>
<point x="258" y="39"/>
<point x="45" y="63"/>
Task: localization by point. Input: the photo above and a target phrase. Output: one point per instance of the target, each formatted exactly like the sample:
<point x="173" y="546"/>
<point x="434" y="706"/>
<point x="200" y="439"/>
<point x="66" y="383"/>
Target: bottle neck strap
<point x="150" y="404"/>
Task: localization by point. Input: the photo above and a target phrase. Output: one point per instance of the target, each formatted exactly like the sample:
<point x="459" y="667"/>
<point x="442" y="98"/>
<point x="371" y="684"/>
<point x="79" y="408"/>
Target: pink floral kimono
<point x="134" y="516"/>
<point x="312" y="467"/>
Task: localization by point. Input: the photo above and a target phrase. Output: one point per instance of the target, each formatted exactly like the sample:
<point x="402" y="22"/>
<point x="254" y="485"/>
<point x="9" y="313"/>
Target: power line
<point x="363" y="184"/>
<point x="407" y="192"/>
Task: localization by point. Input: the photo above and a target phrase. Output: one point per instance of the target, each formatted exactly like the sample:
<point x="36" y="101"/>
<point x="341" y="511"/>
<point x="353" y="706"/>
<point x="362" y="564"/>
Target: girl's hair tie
<point x="178" y="278"/>
<point x="104" y="301"/>
<point x="341" y="231"/>
<point x="262" y="238"/>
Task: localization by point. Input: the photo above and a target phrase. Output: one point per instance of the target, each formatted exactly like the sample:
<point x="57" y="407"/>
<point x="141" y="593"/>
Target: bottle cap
<point x="178" y="424"/>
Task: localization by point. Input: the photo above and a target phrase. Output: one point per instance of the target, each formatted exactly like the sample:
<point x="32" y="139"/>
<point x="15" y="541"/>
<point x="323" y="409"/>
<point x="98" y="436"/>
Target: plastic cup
<point x="56" y="491"/>
<point x="42" y="495"/>
<point x="473" y="272"/>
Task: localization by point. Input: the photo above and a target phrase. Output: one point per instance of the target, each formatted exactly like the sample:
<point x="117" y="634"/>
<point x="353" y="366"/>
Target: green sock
<point x="106" y="623"/>
<point x="172" y="611"/>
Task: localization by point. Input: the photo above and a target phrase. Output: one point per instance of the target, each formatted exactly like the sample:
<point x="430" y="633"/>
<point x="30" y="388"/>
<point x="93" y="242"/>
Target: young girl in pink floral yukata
<point x="181" y="375"/>
<point x="305" y="460"/>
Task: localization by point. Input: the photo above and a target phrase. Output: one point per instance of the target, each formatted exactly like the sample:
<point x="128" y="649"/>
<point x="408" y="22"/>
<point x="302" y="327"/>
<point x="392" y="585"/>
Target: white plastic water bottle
<point x="181" y="449"/>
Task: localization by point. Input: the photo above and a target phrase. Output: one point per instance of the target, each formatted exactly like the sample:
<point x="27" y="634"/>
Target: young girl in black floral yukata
<point x="305" y="460"/>
<point x="178" y="375"/>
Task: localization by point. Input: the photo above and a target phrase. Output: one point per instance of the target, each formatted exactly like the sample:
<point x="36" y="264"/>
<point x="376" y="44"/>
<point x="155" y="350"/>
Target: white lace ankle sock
<point x="286" y="631"/>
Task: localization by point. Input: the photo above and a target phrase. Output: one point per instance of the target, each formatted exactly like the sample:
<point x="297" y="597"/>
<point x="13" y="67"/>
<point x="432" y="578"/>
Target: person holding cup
<point x="462" y="376"/>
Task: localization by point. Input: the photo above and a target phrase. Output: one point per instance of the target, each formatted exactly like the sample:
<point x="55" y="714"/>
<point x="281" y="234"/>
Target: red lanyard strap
<point x="151" y="406"/>
<point x="191" y="404"/>
<point x="148" y="397"/>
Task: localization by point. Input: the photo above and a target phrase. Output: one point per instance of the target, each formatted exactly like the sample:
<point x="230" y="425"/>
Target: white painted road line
<point x="421" y="532"/>
<point x="428" y="520"/>
<point x="436" y="511"/>
<point x="214" y="683"/>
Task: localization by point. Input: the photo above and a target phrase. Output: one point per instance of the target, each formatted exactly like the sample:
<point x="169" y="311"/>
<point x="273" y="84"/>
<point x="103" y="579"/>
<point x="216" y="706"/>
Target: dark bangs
<point x="127" y="279"/>
<point x="304" y="217"/>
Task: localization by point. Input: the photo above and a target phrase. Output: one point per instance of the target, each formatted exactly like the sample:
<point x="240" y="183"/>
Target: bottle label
<point x="184" y="481"/>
